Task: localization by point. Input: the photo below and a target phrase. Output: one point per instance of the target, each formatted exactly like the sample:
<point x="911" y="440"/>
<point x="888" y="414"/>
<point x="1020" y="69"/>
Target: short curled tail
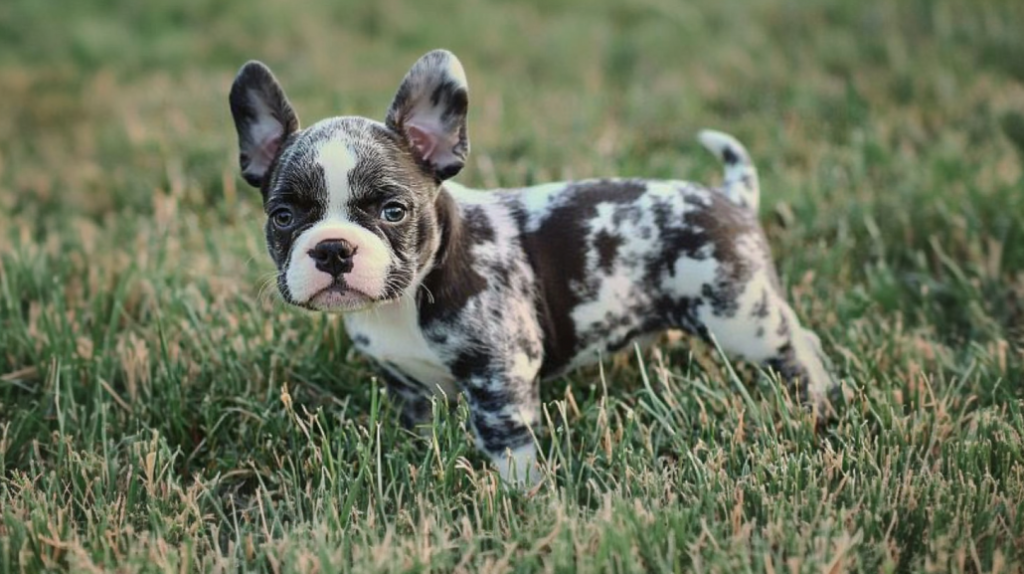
<point x="740" y="185"/>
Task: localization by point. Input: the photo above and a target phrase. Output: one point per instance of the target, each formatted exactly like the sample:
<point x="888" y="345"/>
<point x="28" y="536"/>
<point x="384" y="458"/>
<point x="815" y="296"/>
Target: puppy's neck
<point x="450" y="279"/>
<point x="449" y="230"/>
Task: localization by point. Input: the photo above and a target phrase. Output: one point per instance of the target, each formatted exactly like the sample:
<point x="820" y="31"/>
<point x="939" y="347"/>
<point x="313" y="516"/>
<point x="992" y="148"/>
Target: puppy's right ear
<point x="263" y="119"/>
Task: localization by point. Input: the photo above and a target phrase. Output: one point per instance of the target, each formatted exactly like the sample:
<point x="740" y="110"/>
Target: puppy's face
<point x="350" y="202"/>
<point x="350" y="217"/>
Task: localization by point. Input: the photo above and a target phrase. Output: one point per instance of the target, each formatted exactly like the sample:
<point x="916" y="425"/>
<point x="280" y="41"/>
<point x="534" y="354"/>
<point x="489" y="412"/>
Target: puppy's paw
<point x="518" y="467"/>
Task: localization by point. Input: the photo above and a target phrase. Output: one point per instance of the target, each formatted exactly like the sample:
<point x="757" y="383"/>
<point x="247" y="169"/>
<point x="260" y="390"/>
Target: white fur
<point x="337" y="161"/>
<point x="395" y="338"/>
<point x="518" y="466"/>
<point x="807" y="347"/>
<point x="737" y="334"/>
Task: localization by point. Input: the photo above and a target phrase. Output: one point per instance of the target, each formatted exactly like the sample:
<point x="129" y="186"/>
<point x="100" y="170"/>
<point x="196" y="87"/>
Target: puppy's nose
<point x="333" y="256"/>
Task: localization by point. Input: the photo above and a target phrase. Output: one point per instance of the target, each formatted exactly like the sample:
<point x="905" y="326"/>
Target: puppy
<point x="488" y="293"/>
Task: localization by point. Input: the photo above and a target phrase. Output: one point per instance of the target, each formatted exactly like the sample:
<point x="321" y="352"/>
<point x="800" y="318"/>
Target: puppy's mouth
<point x="339" y="297"/>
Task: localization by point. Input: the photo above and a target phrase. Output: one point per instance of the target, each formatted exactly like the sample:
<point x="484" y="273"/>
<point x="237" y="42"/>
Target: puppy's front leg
<point x="504" y="408"/>
<point x="412" y="398"/>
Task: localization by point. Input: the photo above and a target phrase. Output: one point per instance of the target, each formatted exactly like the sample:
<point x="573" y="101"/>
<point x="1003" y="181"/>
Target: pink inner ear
<point x="268" y="149"/>
<point x="423" y="141"/>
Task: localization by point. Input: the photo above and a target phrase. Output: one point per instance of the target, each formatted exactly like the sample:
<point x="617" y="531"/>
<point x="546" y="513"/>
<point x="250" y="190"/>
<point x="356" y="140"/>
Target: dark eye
<point x="393" y="212"/>
<point x="282" y="218"/>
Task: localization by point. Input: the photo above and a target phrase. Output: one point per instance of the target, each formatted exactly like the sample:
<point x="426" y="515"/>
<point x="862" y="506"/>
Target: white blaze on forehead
<point x="337" y="161"/>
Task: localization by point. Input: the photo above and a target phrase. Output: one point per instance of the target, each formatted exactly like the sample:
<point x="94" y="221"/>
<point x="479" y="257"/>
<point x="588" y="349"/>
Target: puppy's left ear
<point x="429" y="111"/>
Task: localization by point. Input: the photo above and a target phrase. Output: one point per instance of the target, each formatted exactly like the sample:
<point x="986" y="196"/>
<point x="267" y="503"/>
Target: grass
<point x="160" y="411"/>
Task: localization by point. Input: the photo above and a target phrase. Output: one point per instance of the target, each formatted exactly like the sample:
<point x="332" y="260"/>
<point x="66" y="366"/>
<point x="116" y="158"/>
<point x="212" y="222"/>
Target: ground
<point x="161" y="410"/>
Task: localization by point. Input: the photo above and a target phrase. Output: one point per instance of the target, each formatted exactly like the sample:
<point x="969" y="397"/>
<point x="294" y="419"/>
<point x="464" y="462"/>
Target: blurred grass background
<point x="160" y="411"/>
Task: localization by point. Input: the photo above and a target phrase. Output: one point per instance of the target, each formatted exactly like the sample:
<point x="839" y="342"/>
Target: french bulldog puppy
<point x="489" y="293"/>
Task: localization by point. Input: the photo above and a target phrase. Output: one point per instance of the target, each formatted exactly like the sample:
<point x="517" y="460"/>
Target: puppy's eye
<point x="282" y="218"/>
<point x="393" y="212"/>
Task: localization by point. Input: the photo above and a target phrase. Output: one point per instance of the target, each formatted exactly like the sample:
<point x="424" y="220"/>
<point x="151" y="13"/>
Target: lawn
<point x="161" y="410"/>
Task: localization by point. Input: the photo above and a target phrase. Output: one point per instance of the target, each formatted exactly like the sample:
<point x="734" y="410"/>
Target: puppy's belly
<point x="602" y="351"/>
<point x="629" y="307"/>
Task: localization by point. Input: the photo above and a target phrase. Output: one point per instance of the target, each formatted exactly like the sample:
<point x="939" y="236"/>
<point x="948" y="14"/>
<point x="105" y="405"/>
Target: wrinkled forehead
<point x="336" y="160"/>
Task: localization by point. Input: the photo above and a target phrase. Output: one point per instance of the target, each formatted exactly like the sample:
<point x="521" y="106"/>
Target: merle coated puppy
<point x="488" y="293"/>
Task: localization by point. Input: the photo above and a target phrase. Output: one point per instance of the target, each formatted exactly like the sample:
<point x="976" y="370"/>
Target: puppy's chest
<point x="391" y="335"/>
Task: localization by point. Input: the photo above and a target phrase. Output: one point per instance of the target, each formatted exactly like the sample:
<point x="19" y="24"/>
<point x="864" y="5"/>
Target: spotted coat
<point x="489" y="293"/>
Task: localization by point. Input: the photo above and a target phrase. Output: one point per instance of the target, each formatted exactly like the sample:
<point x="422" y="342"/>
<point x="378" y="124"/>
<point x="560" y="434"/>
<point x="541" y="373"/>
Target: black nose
<point x="333" y="256"/>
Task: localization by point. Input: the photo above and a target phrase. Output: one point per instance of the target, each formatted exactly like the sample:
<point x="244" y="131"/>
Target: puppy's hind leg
<point x="763" y="328"/>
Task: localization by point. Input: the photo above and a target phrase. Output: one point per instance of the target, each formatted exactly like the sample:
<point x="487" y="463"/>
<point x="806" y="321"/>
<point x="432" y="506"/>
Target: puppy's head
<point x="350" y="202"/>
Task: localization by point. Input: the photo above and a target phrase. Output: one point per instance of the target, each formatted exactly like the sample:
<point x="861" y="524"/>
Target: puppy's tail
<point x="740" y="185"/>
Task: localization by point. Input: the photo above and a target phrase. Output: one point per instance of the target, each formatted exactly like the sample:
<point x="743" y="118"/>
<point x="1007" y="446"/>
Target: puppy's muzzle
<point x="333" y="256"/>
